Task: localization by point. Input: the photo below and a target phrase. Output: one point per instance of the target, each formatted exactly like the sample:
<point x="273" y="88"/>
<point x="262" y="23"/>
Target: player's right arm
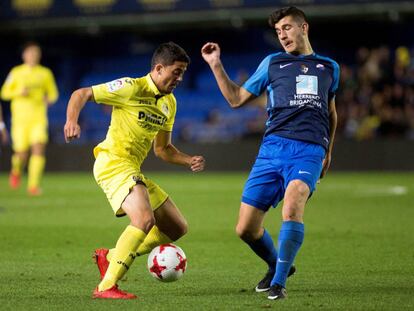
<point x="76" y="103"/>
<point x="10" y="88"/>
<point x="235" y="95"/>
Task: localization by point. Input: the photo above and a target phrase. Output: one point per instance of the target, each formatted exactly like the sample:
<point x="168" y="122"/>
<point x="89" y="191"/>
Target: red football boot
<point x="34" y="191"/>
<point x="14" y="181"/>
<point x="112" y="293"/>
<point x="100" y="259"/>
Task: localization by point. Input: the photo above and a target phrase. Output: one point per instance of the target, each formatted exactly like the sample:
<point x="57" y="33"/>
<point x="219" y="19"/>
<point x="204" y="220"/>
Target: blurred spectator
<point x="376" y="97"/>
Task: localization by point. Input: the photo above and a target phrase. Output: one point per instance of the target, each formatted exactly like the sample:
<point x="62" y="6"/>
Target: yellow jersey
<point x="41" y="87"/>
<point x="139" y="112"/>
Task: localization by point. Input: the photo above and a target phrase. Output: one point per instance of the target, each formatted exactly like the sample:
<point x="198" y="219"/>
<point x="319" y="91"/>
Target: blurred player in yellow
<point x="31" y="88"/>
<point x="143" y="115"/>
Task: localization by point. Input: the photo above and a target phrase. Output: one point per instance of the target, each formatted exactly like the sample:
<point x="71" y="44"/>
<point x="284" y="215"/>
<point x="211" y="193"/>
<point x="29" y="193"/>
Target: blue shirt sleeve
<point x="335" y="80"/>
<point x="258" y="82"/>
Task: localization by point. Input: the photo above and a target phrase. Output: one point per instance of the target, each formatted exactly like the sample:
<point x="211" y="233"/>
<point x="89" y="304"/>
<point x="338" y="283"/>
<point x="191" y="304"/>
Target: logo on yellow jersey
<point x="115" y="85"/>
<point x="165" y="109"/>
<point x="151" y="118"/>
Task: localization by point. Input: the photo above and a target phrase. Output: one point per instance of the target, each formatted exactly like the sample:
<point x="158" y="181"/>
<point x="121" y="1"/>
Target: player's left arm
<point x="165" y="150"/>
<point x="333" y="120"/>
<point x="52" y="93"/>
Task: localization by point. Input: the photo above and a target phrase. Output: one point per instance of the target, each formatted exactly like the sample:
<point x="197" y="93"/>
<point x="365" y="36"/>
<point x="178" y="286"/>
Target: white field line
<point x="368" y="190"/>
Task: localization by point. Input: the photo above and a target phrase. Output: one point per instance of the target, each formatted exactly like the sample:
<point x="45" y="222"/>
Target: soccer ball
<point x="167" y="262"/>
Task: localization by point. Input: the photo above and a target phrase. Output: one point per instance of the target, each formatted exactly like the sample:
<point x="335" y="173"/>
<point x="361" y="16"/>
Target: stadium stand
<point x="376" y="99"/>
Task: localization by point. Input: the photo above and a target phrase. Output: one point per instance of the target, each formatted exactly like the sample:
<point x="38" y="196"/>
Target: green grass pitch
<point x="358" y="252"/>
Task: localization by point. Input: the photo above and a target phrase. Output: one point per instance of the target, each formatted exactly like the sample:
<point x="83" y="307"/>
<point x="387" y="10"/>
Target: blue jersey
<point x="299" y="89"/>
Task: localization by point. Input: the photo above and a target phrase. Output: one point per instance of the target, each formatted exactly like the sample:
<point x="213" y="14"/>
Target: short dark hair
<point x="168" y="53"/>
<point x="29" y="44"/>
<point x="277" y="15"/>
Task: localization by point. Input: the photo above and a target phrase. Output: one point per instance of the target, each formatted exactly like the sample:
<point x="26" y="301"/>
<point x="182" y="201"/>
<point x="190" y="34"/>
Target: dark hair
<point x="277" y="15"/>
<point x="29" y="44"/>
<point x="168" y="53"/>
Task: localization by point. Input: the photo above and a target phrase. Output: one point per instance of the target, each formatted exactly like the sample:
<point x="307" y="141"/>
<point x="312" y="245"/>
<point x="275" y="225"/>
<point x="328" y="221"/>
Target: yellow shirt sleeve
<point x="114" y="93"/>
<point x="168" y="126"/>
<point x="10" y="87"/>
<point x="51" y="88"/>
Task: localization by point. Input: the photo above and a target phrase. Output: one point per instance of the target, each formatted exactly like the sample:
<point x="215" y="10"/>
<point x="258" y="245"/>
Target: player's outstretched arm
<point x="235" y="95"/>
<point x="77" y="101"/>
<point x="333" y="120"/>
<point x="165" y="150"/>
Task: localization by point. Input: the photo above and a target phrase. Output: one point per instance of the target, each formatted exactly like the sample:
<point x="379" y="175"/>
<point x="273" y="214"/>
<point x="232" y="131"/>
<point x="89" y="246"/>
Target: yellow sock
<point x="17" y="165"/>
<point x="110" y="254"/>
<point x="154" y="238"/>
<point x="35" y="170"/>
<point x="123" y="256"/>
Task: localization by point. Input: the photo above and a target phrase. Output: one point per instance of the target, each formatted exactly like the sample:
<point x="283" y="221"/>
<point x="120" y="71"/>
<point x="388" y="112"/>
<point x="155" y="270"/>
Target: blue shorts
<point x="281" y="160"/>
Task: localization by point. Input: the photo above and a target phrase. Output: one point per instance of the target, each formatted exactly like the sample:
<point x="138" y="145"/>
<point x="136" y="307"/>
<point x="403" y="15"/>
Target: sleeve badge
<point x="115" y="85"/>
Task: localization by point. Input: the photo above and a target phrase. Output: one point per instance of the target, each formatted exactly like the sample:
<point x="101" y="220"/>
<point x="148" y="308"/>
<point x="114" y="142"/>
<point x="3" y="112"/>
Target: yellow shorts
<point x="25" y="135"/>
<point x="116" y="176"/>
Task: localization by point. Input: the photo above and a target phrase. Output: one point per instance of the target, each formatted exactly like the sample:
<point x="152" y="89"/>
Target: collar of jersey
<point x="29" y="67"/>
<point x="301" y="55"/>
<point x="152" y="85"/>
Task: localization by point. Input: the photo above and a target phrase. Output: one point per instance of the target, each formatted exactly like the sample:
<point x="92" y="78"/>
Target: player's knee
<point x="301" y="189"/>
<point x="38" y="149"/>
<point x="145" y="222"/>
<point x="183" y="229"/>
<point x="180" y="230"/>
<point x="148" y="223"/>
<point x="245" y="233"/>
<point x="23" y="156"/>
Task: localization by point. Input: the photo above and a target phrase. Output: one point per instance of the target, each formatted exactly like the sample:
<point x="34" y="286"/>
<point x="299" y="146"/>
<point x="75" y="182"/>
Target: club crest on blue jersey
<point x="303" y="68"/>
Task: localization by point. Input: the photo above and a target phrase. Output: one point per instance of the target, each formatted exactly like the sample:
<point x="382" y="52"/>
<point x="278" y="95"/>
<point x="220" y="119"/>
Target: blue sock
<point x="265" y="249"/>
<point x="290" y="239"/>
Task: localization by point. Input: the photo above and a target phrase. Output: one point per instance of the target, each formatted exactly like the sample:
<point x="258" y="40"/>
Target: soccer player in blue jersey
<point x="297" y="145"/>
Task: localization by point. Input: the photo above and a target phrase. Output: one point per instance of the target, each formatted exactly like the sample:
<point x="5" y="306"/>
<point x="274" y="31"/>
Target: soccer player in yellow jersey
<point x="31" y="88"/>
<point x="142" y="115"/>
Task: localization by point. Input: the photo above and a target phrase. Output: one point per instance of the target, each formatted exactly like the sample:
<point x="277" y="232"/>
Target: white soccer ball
<point x="167" y="262"/>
